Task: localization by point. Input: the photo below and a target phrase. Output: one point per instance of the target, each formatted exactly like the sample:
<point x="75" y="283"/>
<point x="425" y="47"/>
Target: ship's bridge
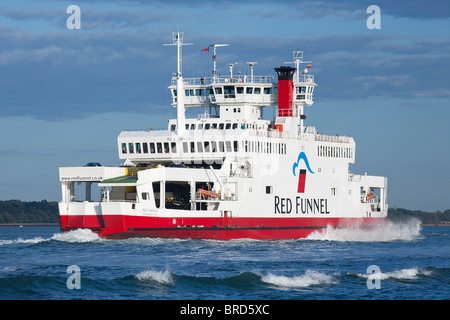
<point x="246" y="89"/>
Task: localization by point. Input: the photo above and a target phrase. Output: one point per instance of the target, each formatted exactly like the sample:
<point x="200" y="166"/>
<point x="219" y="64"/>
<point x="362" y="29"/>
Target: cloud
<point x="117" y="61"/>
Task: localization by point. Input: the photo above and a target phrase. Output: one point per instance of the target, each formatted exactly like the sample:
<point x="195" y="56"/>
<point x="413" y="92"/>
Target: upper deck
<point x="242" y="90"/>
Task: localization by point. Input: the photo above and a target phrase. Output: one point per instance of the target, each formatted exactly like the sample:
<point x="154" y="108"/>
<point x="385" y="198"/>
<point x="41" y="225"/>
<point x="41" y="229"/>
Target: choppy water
<point x="413" y="263"/>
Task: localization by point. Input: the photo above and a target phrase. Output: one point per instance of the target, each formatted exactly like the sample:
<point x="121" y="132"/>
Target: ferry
<point x="229" y="172"/>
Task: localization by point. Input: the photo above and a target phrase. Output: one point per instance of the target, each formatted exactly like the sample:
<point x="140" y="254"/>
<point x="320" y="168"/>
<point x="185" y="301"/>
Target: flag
<point x="308" y="66"/>
<point x="206" y="49"/>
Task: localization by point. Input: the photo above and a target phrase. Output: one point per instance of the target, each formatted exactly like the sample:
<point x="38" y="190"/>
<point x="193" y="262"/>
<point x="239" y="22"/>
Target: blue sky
<point x="65" y="94"/>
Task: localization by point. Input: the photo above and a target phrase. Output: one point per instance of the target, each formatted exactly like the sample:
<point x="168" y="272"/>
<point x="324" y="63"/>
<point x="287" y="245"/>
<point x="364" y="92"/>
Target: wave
<point x="403" y="274"/>
<point x="20" y="240"/>
<point x="160" y="277"/>
<point x="78" y="235"/>
<point x="310" y="278"/>
<point x="385" y="232"/>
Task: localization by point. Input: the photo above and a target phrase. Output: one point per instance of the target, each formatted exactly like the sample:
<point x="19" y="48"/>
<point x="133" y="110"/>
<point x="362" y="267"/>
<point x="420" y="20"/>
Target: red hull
<point x="123" y="226"/>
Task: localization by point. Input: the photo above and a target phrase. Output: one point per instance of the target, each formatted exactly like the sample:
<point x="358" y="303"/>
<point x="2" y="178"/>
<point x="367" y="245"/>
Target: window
<point x="185" y="147"/>
<point x="214" y="146"/>
<point x="257" y="90"/>
<point x="206" y="145"/>
<point x="221" y="146"/>
<point x="172" y="127"/>
<point x="240" y="90"/>
<point x="235" y="125"/>
<point x="235" y="146"/>
<point x="173" y="146"/>
<point x="333" y="191"/>
<point x="228" y="126"/>
<point x="166" y="147"/>
<point x="228" y="143"/>
<point x="138" y="147"/>
<point x="219" y="90"/>
<point x="268" y="189"/>
<point x="221" y="126"/>
<point x="157" y="193"/>
<point x="267" y="90"/>
<point x="199" y="147"/>
<point x="124" y="148"/>
<point x="145" y="196"/>
<point x="145" y="147"/>
<point x="152" y="147"/>
<point x="131" y="147"/>
<point x="192" y="147"/>
<point x="159" y="147"/>
<point x="249" y="90"/>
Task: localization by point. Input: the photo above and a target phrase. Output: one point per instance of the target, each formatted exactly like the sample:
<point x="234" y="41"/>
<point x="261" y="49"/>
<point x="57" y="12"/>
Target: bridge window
<point x="124" y="148"/>
<point x="249" y="90"/>
<point x="257" y="90"/>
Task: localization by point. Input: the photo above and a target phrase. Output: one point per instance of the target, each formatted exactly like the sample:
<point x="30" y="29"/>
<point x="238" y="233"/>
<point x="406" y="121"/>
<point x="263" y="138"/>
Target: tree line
<point x="16" y="211"/>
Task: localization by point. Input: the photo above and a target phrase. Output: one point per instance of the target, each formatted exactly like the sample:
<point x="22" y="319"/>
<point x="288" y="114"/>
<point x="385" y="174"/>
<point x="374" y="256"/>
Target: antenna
<point x="231" y="69"/>
<point x="177" y="38"/>
<point x="297" y="59"/>
<point x="251" y="64"/>
<point x="214" y="58"/>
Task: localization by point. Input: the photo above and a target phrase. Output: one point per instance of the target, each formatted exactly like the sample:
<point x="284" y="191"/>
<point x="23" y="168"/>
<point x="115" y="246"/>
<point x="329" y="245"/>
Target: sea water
<point x="393" y="262"/>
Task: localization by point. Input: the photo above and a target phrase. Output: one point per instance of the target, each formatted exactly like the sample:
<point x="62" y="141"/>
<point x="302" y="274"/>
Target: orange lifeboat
<point x="207" y="194"/>
<point x="370" y="196"/>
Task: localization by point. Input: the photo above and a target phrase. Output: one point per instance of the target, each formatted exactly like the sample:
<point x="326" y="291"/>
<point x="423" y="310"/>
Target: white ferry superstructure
<point x="227" y="173"/>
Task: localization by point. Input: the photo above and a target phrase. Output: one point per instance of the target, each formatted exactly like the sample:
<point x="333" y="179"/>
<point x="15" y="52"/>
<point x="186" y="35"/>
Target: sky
<point x="66" y="94"/>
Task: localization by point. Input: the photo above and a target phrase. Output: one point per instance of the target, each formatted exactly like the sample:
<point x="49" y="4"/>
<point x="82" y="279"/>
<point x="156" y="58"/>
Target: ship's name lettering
<point x="300" y="205"/>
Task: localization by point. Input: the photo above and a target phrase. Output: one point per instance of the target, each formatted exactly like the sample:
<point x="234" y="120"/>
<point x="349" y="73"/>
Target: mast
<point x="214" y="73"/>
<point x="177" y="38"/>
